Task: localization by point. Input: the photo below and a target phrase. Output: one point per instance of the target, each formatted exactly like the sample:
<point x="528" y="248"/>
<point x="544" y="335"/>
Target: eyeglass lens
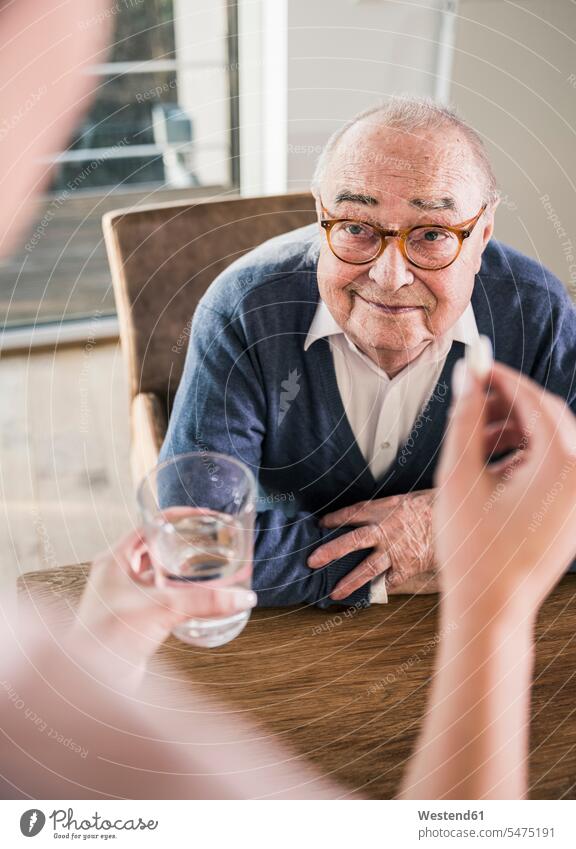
<point x="430" y="247"/>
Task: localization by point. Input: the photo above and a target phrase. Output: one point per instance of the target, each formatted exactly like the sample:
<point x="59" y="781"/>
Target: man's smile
<point x="391" y="308"/>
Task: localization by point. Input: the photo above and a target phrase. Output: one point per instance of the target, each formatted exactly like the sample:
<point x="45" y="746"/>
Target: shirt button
<point x="384" y="445"/>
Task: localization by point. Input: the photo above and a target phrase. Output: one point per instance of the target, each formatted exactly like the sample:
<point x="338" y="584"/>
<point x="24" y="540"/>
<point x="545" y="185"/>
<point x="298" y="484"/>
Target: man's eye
<point x="434" y="235"/>
<point x="355" y="230"/>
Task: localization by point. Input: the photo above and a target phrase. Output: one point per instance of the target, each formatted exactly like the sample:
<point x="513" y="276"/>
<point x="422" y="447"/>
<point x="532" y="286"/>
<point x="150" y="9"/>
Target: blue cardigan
<point x="251" y="391"/>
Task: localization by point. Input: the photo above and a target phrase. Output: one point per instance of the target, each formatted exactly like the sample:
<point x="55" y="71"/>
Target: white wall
<point x="514" y="79"/>
<point x="332" y="58"/>
<point x="345" y="56"/>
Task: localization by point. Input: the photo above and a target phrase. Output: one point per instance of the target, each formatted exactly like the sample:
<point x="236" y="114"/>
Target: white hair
<point x="409" y="113"/>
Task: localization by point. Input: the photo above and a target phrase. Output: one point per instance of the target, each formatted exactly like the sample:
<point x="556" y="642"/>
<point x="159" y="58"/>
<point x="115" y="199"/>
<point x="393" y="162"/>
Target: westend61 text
<point x="451" y="815"/>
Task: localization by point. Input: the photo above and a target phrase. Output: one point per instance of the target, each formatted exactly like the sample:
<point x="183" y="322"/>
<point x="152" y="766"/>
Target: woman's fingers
<point x="534" y="410"/>
<point x="141" y="563"/>
<point x="501" y="437"/>
<point x="505" y="467"/>
<point x="463" y="449"/>
<point x="124" y="552"/>
<point x="130" y="557"/>
<point x="203" y="601"/>
<point x="529" y="419"/>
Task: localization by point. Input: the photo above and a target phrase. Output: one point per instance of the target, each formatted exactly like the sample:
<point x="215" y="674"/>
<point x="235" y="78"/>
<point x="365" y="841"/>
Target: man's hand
<point x="398" y="528"/>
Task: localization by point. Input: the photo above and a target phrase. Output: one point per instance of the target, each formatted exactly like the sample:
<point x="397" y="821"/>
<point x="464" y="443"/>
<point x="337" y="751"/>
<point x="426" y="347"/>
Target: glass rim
<point x="187" y="455"/>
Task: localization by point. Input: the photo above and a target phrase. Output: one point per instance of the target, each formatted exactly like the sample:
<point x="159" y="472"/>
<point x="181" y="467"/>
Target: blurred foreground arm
<point x="497" y="564"/>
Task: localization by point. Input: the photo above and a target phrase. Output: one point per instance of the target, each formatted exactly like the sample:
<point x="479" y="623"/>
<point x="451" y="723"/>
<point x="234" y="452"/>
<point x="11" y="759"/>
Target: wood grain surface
<point x="347" y="688"/>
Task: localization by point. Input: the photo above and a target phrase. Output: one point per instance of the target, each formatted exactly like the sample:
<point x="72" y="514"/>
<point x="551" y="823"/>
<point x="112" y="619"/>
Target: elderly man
<point x="323" y="358"/>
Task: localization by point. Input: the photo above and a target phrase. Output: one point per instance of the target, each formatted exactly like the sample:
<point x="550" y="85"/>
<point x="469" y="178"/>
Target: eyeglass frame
<point x="461" y="231"/>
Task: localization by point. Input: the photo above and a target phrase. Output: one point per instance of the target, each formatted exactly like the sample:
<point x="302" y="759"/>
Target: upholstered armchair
<point x="162" y="259"/>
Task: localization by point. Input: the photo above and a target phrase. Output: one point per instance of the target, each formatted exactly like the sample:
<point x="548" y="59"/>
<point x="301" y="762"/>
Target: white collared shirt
<point x="381" y="410"/>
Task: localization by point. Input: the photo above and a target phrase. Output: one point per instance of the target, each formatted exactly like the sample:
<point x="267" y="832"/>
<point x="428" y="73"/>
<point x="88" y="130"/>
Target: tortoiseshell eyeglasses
<point x="427" y="246"/>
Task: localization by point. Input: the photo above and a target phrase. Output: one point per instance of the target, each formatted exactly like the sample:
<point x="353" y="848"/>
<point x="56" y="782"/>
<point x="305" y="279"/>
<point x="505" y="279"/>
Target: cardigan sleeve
<point x="555" y="364"/>
<point x="220" y="406"/>
<point x="555" y="357"/>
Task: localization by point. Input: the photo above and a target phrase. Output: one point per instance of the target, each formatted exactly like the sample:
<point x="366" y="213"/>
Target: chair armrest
<point x="148" y="422"/>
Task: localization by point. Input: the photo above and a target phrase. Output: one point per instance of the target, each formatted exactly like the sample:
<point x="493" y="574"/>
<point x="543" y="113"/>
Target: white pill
<point x="480" y="357"/>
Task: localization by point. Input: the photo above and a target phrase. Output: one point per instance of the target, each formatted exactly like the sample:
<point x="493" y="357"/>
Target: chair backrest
<point x="164" y="257"/>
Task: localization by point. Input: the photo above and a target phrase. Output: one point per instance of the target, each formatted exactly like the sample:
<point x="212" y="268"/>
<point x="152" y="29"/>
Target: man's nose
<point x="391" y="270"/>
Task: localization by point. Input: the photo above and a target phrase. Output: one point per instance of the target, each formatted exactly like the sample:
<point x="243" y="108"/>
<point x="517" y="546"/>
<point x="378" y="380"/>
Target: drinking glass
<point x="198" y="515"/>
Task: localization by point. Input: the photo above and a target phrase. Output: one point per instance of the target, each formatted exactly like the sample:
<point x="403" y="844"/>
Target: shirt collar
<point x="324" y="324"/>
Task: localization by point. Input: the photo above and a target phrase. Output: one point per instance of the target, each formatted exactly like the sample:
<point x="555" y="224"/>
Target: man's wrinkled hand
<point x="397" y="528"/>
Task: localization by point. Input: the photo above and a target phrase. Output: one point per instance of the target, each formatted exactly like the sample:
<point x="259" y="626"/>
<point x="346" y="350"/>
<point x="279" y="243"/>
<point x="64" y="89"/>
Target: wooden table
<point x="347" y="688"/>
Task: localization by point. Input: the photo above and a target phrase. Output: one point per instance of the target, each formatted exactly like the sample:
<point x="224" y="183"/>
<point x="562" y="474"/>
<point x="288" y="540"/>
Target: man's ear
<point x="316" y="196"/>
<point x="488" y="227"/>
<point x="486" y="231"/>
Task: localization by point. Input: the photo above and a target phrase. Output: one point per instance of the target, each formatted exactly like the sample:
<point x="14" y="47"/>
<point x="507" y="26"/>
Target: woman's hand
<point x="505" y="534"/>
<point x="124" y="609"/>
